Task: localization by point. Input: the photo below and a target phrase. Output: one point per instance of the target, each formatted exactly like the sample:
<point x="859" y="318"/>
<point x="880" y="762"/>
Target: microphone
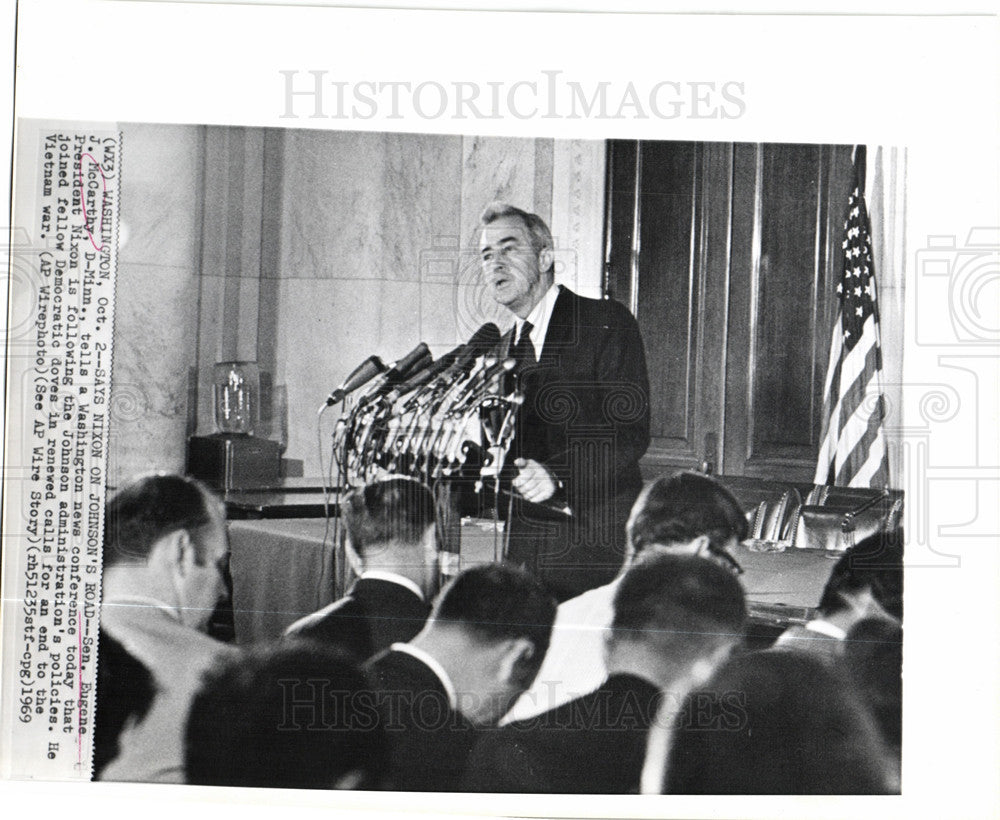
<point x="455" y="363"/>
<point x="416" y="359"/>
<point x="482" y="341"/>
<point x="409" y="363"/>
<point x="426" y="376"/>
<point x="478" y="382"/>
<point x="362" y="374"/>
<point x="423" y="375"/>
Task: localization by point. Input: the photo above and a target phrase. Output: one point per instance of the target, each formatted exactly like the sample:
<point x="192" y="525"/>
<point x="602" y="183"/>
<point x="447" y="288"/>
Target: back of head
<point x="874" y="564"/>
<point x="125" y="691"/>
<point x="776" y="723"/>
<point x="494" y="602"/>
<point x="681" y="606"/>
<point x="685" y="506"/>
<point x="873" y="658"/>
<point x="396" y="510"/>
<point x="149" y="508"/>
<point x="295" y="715"/>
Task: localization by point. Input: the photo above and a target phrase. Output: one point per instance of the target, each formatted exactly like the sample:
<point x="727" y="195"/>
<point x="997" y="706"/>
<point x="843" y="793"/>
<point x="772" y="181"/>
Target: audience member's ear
<point x="350" y="781"/>
<point x="353" y="559"/>
<point x="516" y="655"/>
<point x="862" y="604"/>
<point x="167" y="554"/>
<point x="430" y="539"/>
<point x="703" y="668"/>
<point x="700" y="544"/>
<point x="187" y="558"/>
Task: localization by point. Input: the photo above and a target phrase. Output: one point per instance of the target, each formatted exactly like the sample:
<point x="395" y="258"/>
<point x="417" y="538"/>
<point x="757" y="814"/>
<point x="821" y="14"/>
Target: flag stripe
<point x="867" y="427"/>
<point x="852" y="442"/>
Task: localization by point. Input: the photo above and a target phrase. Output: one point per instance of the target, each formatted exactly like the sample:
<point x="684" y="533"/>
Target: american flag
<point x="853" y="451"/>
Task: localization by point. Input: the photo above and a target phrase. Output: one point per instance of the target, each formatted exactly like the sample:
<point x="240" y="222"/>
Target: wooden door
<point x="726" y="255"/>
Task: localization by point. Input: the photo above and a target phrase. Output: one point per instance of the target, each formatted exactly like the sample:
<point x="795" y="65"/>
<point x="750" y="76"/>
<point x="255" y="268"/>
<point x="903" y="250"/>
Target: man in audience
<point x="873" y="659"/>
<point x="392" y="542"/>
<point x="775" y="723"/>
<point x="866" y="582"/>
<point x="296" y="715"/>
<point x="676" y="618"/>
<point x="687" y="513"/>
<point x="480" y="649"/>
<point x="165" y="546"/>
<point x="125" y="693"/>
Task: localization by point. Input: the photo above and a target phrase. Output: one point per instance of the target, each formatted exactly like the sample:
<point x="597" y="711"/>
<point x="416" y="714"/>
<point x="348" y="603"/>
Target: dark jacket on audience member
<point x="373" y="615"/>
<point x="595" y="744"/>
<point x="430" y="740"/>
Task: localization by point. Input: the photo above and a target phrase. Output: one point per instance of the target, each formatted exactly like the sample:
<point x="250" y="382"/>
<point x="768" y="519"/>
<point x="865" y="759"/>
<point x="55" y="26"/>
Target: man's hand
<point x="534" y="481"/>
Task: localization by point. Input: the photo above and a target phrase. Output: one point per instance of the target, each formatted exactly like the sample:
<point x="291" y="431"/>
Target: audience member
<point x="392" y="543"/>
<point x="479" y="650"/>
<point x="676" y="617"/>
<point x="164" y="543"/>
<point x="296" y="715"/>
<point x="866" y="582"/>
<point x="873" y="658"/>
<point x="687" y="513"/>
<point x="776" y="723"/>
<point x="124" y="694"/>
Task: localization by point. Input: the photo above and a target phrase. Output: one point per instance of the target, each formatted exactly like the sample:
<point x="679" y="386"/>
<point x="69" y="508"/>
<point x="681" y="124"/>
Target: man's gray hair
<point x="538" y="231"/>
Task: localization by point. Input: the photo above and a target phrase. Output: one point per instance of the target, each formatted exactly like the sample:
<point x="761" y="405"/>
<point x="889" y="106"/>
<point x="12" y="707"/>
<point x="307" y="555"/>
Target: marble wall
<point x="156" y="311"/>
<point x="375" y="253"/>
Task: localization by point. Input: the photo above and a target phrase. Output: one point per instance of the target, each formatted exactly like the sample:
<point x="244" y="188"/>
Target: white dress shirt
<point x="574" y="664"/>
<point x="539" y="317"/>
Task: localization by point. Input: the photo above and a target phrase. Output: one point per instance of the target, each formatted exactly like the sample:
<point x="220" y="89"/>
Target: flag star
<point x="847" y="334"/>
<point x="840" y="288"/>
<point x="856" y="252"/>
<point x="855" y="211"/>
<point x="855" y="271"/>
<point x="860" y="311"/>
<point x="857" y="291"/>
<point x="868" y="289"/>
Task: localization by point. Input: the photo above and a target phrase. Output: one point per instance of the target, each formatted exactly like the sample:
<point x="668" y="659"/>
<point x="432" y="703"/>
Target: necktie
<point x="524" y="350"/>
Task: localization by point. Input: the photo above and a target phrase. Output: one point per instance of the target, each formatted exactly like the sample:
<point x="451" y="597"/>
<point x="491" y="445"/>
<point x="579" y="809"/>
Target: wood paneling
<point x="725" y="253"/>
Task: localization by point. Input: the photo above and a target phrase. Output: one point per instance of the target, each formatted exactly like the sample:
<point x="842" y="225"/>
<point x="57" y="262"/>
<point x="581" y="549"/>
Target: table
<point x="283" y="569"/>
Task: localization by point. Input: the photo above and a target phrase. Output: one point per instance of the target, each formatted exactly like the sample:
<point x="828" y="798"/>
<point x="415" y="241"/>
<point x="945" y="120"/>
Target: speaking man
<point x="584" y="423"/>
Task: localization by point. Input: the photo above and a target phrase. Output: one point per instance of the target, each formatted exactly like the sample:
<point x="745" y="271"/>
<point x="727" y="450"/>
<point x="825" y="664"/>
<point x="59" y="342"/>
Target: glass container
<point x="236" y="386"/>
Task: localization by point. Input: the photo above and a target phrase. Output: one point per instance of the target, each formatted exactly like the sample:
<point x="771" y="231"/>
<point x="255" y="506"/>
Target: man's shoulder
<point x="163" y="643"/>
<point x="392" y="665"/>
<point x="348" y="607"/>
<point x="591" y="311"/>
<point x="377" y="593"/>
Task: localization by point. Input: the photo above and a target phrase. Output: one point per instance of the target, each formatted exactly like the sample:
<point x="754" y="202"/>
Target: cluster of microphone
<point x="423" y="417"/>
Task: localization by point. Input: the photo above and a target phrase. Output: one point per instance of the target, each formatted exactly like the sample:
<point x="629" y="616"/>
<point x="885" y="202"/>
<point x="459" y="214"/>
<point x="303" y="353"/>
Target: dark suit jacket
<point x="586" y="417"/>
<point x="429" y="741"/>
<point x="371" y="617"/>
<point x="595" y="744"/>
